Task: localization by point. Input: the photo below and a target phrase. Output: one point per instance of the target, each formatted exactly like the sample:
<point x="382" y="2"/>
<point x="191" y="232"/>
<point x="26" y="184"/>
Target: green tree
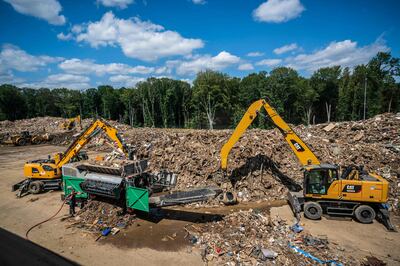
<point x="284" y="90"/>
<point x="325" y="82"/>
<point x="211" y="96"/>
<point x="12" y="103"/>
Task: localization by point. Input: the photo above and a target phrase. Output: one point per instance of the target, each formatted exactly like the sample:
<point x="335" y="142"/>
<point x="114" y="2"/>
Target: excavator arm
<point x="300" y="149"/>
<point x="95" y="128"/>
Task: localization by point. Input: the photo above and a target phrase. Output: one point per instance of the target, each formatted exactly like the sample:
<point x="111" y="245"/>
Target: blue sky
<point x="81" y="44"/>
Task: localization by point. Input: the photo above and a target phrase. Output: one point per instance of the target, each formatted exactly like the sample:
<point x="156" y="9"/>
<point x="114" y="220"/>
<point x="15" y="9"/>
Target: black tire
<point x="21" y="142"/>
<point x="35" y="187"/>
<point x="365" y="214"/>
<point x="312" y="210"/>
<point x="36" y="141"/>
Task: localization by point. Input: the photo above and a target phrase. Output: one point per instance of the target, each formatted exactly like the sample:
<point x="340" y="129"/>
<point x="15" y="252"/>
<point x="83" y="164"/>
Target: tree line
<point x="217" y="100"/>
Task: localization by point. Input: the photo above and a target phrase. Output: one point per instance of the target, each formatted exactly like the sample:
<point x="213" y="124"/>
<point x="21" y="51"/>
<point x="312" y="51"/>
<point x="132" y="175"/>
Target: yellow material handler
<point x="45" y="174"/>
<point x="353" y="192"/>
<point x="71" y="123"/>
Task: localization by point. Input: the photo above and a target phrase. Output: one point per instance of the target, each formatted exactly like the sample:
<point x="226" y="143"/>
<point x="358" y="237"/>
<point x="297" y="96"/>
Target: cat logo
<point x="352" y="188"/>
<point x="296" y="145"/>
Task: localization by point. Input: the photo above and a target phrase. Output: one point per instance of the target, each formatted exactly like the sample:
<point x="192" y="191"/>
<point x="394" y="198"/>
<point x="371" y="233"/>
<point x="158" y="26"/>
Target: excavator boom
<point x="300" y="149"/>
<point x="86" y="136"/>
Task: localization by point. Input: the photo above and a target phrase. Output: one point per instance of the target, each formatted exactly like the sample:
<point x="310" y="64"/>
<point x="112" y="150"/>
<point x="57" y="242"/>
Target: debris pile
<point x="252" y="237"/>
<point x="261" y="166"/>
<point x="95" y="216"/>
<point x="48" y="129"/>
<point x="33" y="125"/>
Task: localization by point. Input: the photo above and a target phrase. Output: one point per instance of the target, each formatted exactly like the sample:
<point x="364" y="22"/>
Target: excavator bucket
<point x="295" y="200"/>
<point x="384" y="218"/>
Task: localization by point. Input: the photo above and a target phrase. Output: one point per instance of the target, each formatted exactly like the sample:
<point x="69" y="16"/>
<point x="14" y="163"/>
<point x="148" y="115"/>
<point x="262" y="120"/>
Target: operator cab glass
<point x="318" y="180"/>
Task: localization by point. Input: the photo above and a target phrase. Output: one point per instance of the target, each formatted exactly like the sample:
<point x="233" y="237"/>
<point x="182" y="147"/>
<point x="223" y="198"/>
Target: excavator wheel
<point x="21" y="142"/>
<point x="36" y="140"/>
<point x="35" y="187"/>
<point x="312" y="210"/>
<point x="365" y="214"/>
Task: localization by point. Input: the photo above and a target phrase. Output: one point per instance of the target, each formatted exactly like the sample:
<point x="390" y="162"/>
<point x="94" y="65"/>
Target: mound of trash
<point x="255" y="238"/>
<point x="96" y="216"/>
<point x="261" y="165"/>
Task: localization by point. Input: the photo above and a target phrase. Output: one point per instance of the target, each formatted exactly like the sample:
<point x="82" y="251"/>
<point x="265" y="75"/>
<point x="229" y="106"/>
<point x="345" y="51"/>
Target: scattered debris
<point x="329" y="127"/>
<point x="372" y="261"/>
<point x="251" y="237"/>
<point x="97" y="216"/>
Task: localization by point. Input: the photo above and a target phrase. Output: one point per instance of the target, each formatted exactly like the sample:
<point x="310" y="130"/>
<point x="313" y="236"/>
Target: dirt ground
<point x="147" y="241"/>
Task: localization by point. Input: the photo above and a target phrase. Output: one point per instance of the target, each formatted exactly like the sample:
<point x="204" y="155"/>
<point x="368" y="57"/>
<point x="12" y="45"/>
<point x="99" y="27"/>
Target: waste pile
<point x="261" y="166"/>
<point x="96" y="216"/>
<point x="38" y="126"/>
<point x="254" y="237"/>
<point x="33" y="125"/>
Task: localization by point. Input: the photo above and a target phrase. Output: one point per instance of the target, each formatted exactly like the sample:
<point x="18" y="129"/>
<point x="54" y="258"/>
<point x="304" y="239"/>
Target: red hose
<point x="54" y="215"/>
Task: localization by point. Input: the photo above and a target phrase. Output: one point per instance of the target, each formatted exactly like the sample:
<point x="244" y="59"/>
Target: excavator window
<point x="35" y="170"/>
<point x="48" y="168"/>
<point x="317" y="181"/>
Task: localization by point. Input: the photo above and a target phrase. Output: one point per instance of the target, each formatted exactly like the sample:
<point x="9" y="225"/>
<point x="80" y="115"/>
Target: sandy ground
<point x="145" y="242"/>
<point x="17" y="215"/>
<point x="360" y="240"/>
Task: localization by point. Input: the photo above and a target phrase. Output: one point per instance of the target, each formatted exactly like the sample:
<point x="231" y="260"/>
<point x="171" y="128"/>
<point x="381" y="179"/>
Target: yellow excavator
<point x="353" y="193"/>
<point x="71" y="123"/>
<point x="25" y="138"/>
<point x="45" y="174"/>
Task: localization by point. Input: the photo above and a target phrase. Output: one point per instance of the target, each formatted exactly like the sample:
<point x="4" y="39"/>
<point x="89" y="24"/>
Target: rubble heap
<point x="50" y="126"/>
<point x="33" y="125"/>
<point x="261" y="166"/>
<point x="252" y="237"/>
<point x="96" y="215"/>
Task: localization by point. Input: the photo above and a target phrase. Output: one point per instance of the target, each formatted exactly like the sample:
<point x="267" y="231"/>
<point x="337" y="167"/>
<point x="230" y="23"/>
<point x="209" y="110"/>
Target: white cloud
<point x="122" y="4"/>
<point x="163" y="70"/>
<point x="78" y="66"/>
<point x="198" y="63"/>
<point x="12" y="57"/>
<point x="269" y="62"/>
<point x="77" y="29"/>
<point x="255" y="54"/>
<point x="62" y="81"/>
<point x="246" y="66"/>
<point x="64" y="37"/>
<point x="125" y="80"/>
<point x="137" y="39"/>
<point x="277" y="11"/>
<point x="199" y="2"/>
<point x="286" y="48"/>
<point x="345" y="53"/>
<point x="9" y="78"/>
<point x="44" y="9"/>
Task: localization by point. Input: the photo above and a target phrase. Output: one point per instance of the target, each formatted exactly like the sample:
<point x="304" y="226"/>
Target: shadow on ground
<point x="258" y="162"/>
<point x="16" y="250"/>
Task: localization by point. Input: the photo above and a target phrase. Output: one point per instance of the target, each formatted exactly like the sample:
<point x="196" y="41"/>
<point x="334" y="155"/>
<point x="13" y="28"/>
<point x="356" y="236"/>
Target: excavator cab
<point x="319" y="178"/>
